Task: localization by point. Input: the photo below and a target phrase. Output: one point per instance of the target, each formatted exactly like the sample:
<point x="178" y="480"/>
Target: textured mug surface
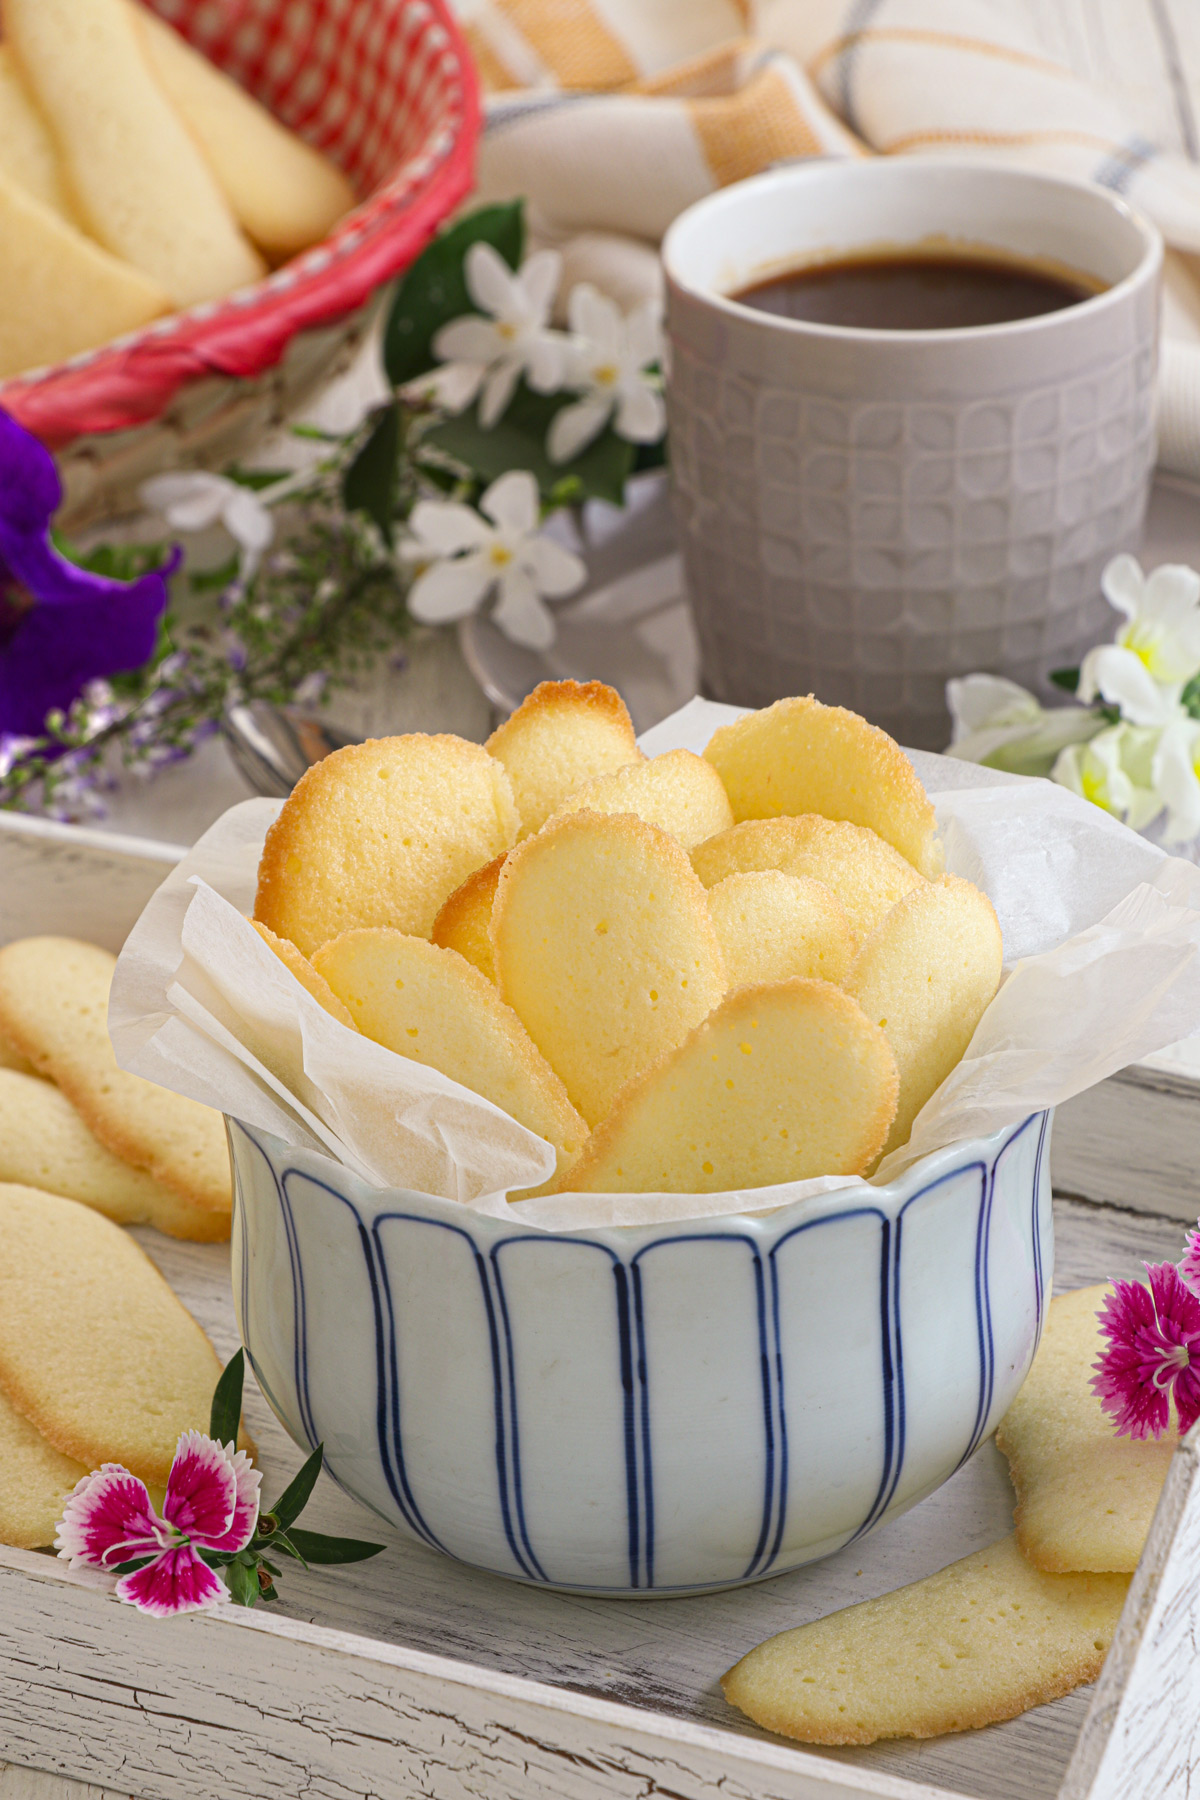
<point x="865" y="513"/>
<point x="654" y="1410"/>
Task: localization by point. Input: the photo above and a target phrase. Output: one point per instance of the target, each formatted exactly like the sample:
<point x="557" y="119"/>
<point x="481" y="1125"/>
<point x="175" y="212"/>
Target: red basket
<point x="387" y="90"/>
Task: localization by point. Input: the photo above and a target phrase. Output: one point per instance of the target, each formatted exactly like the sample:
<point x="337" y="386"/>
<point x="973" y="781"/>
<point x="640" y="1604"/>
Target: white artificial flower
<point x="1162" y="612"/>
<point x="462" y="557"/>
<point x="1113" y="771"/>
<point x="197" y="499"/>
<point x="1001" y="724"/>
<point x="488" y="354"/>
<point x="1176" y="777"/>
<point x="608" y="366"/>
<point x="1119" y="676"/>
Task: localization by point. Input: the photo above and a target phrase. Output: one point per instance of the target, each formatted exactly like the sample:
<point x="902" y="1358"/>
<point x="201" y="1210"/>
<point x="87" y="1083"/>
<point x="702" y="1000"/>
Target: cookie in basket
<point x="799" y="756"/>
<point x="774" y="926"/>
<point x="465" y="921"/>
<point x="54" y="1009"/>
<point x="981" y="1641"/>
<point x="563" y="734"/>
<point x="605" y="950"/>
<point x="1085" y="1496"/>
<point x="865" y="873"/>
<point x="779" y="1083"/>
<point x="305" y="974"/>
<point x="45" y="1144"/>
<point x="382" y="833"/>
<point x="677" y="791"/>
<point x="95" y="1349"/>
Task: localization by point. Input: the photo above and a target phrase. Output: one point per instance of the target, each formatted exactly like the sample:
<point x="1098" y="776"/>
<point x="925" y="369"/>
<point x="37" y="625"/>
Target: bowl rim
<point x="765" y="1224"/>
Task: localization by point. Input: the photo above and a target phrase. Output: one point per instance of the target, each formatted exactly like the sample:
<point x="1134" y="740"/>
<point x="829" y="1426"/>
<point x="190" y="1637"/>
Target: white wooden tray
<point x="410" y="1676"/>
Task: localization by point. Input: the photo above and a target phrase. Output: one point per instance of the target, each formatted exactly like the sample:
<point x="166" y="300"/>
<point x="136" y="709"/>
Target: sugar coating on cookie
<point x="867" y="875"/>
<point x="604" y="949"/>
<point x="677" y="791"/>
<point x="305" y="974"/>
<point x="925" y="976"/>
<point x="382" y="833"/>
<point x="981" y="1641"/>
<point x="431" y="1005"/>
<point x="563" y="734"/>
<point x="54" y="1009"/>
<point x="95" y="1349"/>
<point x="799" y="756"/>
<point x="780" y="1083"/>
<point x="465" y="921"/>
<point x="774" y="926"/>
<point x="1085" y="1497"/>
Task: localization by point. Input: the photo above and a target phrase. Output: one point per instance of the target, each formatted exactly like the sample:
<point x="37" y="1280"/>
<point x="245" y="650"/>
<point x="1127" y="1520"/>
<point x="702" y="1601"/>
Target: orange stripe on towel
<point x="752" y="129"/>
<point x="572" y="42"/>
<point x="944" y="40"/>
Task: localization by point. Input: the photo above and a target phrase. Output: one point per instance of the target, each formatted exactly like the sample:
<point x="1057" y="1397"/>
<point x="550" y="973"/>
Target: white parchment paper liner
<point x="1102" y="953"/>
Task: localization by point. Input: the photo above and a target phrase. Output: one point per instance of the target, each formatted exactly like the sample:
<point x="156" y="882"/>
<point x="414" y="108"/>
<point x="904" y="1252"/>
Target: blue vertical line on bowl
<point x="624" y="1338"/>
<point x="770" y="1408"/>
<point x="642" y="1439"/>
<point x="983" y="1292"/>
<point x="1036" y="1224"/>
<point x="240" y="1216"/>
<point x="517" y="1499"/>
<point x="300" y="1339"/>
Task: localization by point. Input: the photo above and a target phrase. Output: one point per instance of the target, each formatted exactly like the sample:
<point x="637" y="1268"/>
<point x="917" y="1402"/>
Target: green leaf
<point x="518" y="441"/>
<point x="255" y="479"/>
<point x="216" y="579"/>
<point x="127" y="1568"/>
<point x="1191" y="697"/>
<point x="1067" y="679"/>
<point x="369" y="484"/>
<point x="226" y="1413"/>
<point x="316" y="1547"/>
<point x="243" y="1584"/>
<point x="434" y="290"/>
<point x="281" y="1541"/>
<point x="294" y="1498"/>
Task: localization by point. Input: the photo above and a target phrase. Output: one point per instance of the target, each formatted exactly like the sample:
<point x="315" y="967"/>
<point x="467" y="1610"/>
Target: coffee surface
<point x="915" y="292"/>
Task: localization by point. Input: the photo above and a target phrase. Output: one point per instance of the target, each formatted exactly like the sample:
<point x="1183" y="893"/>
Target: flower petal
<point x="248" y="521"/>
<point x="1171" y="593"/>
<point x="201" y="1489"/>
<point x="246" y="1507"/>
<point x="977" y="702"/>
<point x="469" y="339"/>
<point x="643" y="334"/>
<point x="1173" y="774"/>
<point x="1123" y="680"/>
<point x="499" y="385"/>
<point x="520" y="614"/>
<point x="546" y="354"/>
<point x="450" y="590"/>
<point x="453" y="386"/>
<point x="573" y="427"/>
<point x="189" y="501"/>
<point x="30" y="490"/>
<point x="1189" y="1266"/>
<point x="641" y="415"/>
<point x="538" y="277"/>
<point x="108" y="1519"/>
<point x="556" y="571"/>
<point x="594" y="316"/>
<point x="1124" y="585"/>
<point x="512" y="501"/>
<point x="491" y="284"/>
<point x="444" y="527"/>
<point x="175" y="1582"/>
<point x="56" y="650"/>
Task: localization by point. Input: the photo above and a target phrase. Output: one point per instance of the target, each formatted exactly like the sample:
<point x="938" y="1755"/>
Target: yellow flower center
<point x="505" y="330"/>
<point x="500" y="555"/>
<point x="605" y="375"/>
<point x="1094" y="788"/>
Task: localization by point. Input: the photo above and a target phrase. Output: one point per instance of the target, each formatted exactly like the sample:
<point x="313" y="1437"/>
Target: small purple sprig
<point x="213" y="1543"/>
<point x="1152" y="1356"/>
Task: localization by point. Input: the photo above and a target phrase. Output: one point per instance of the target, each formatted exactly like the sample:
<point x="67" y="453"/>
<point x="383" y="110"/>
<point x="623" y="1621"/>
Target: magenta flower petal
<point x="245" y="1512"/>
<point x="201" y="1490"/>
<point x="1153" y="1353"/>
<point x="1189" y="1267"/>
<point x="175" y="1582"/>
<point x="108" y="1519"/>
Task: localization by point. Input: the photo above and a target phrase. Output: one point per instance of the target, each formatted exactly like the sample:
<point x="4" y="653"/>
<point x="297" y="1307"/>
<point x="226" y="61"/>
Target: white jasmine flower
<point x="1119" y="676"/>
<point x="197" y="499"/>
<point x="1176" y="777"/>
<point x="1114" y="771"/>
<point x="1001" y="724"/>
<point x="1162" y="611"/>
<point x="463" y="556"/>
<point x="488" y="355"/>
<point x="607" y="365"/>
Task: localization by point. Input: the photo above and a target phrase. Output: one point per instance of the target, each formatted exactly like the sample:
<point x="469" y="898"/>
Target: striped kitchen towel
<point x="611" y="116"/>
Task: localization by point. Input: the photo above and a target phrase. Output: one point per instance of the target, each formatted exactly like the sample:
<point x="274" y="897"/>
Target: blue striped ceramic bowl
<point x="644" y="1411"/>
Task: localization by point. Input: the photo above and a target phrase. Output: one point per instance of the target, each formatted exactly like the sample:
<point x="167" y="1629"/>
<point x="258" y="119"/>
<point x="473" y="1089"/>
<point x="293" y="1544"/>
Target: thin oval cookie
<point x="561" y="735"/>
<point x="54" y="1009"/>
<point x="678" y="791"/>
<point x="379" y="834"/>
<point x="95" y="1349"/>
<point x="305" y="974"/>
<point x="773" y="927"/>
<point x="925" y="977"/>
<point x="604" y="949"/>
<point x="465" y="921"/>
<point x="867" y="875"/>
<point x="782" y="1082"/>
<point x="431" y="1005"/>
<point x="801" y="757"/>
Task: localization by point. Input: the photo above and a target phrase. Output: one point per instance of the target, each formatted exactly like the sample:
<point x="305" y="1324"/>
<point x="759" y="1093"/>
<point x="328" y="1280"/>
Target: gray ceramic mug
<point x="865" y="513"/>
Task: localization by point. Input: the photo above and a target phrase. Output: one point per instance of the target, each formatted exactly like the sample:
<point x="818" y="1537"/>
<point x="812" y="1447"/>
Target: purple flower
<point x="60" y="626"/>
<point x="1153" y="1354"/>
<point x="211" y="1504"/>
